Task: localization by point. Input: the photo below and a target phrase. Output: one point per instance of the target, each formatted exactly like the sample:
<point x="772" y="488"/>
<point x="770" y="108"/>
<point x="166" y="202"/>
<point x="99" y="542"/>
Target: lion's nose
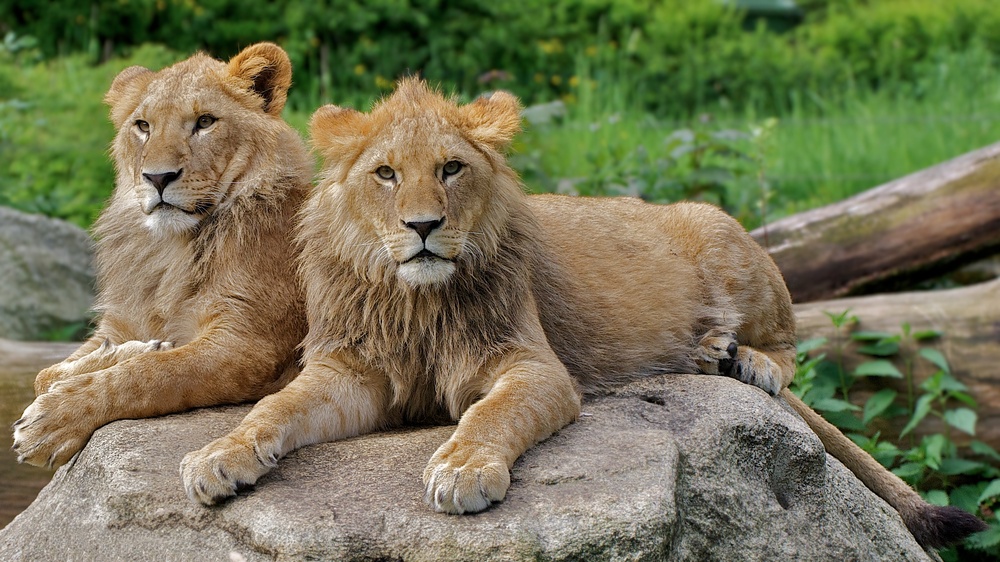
<point x="161" y="181"/>
<point x="424" y="228"/>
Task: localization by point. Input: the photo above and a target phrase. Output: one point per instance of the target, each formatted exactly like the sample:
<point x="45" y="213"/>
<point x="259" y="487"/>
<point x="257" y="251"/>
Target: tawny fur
<point x="395" y="337"/>
<point x="453" y="337"/>
<point x="197" y="302"/>
<point x="526" y="303"/>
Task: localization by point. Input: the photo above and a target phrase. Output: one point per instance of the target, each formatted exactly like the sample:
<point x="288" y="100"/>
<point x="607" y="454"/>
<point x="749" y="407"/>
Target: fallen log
<point x="969" y="319"/>
<point x="914" y="228"/>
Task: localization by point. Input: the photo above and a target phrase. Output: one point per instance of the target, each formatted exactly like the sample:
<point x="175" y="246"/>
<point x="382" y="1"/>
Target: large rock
<point x="46" y="275"/>
<point x="679" y="468"/>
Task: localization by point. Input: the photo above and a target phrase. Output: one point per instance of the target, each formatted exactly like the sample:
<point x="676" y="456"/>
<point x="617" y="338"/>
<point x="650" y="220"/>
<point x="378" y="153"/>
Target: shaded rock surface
<point x="679" y="468"/>
<point x="46" y="275"/>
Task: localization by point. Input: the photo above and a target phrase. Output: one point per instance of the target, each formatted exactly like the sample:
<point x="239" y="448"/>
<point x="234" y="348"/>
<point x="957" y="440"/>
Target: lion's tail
<point x="933" y="526"/>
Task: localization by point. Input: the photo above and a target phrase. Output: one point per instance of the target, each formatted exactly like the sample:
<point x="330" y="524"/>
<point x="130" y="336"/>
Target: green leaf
<point x="948" y="382"/>
<point x="952" y="467"/>
<point x="878" y="368"/>
<point x="966" y="496"/>
<point x="933" y="383"/>
<point x="834" y="405"/>
<point x="933" y="446"/>
<point x="819" y="391"/>
<point x="885" y="453"/>
<point x="908" y="470"/>
<point x="806" y="346"/>
<point x="936" y="357"/>
<point x="936" y="497"/>
<point x="839" y="320"/>
<point x="881" y="348"/>
<point x="869" y="335"/>
<point x="845" y="421"/>
<point x="920" y="411"/>
<point x="924" y="335"/>
<point x="878" y="403"/>
<point x="963" y="419"/>
<point x="964" y="398"/>
<point x="991" y="491"/>
<point x="984" y="449"/>
<point x="987" y="539"/>
<point x="809" y="365"/>
<point x="862" y="440"/>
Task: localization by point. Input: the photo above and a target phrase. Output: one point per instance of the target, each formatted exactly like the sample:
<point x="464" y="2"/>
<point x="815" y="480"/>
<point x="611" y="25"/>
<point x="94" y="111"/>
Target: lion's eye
<point x="451" y="168"/>
<point x="205" y="121"/>
<point x="142" y="125"/>
<point x="385" y="172"/>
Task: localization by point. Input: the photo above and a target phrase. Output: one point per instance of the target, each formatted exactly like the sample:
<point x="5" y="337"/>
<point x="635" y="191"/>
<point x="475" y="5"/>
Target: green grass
<point x="827" y="147"/>
<point x="54" y="136"/>
<point x="833" y="147"/>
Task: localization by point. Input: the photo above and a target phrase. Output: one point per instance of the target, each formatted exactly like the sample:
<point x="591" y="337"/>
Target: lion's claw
<point x="223" y="467"/>
<point x="464" y="480"/>
<point x="50" y="431"/>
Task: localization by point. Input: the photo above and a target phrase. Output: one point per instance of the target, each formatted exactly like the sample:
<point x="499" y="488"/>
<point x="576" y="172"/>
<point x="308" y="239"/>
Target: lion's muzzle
<point x="162" y="180"/>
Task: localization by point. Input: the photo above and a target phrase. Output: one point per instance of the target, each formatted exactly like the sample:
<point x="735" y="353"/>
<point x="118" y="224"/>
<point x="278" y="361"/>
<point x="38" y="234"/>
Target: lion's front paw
<point x="753" y="367"/>
<point x="55" y="426"/>
<point x="464" y="478"/>
<point x="105" y="356"/>
<point x="49" y="376"/>
<point x="110" y="354"/>
<point x="716" y="353"/>
<point x="217" y="470"/>
<point x="719" y="354"/>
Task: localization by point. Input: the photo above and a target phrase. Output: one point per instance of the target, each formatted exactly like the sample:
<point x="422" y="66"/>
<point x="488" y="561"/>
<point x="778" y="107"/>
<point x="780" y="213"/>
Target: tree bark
<point x="914" y="228"/>
<point x="969" y="319"/>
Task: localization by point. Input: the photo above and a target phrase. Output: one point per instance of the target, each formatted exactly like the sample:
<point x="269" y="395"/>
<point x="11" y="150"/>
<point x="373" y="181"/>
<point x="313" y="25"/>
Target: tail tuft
<point x="936" y="526"/>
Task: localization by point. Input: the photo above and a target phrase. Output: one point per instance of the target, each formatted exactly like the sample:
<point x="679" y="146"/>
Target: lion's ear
<point x="265" y="70"/>
<point x="125" y="92"/>
<point x="493" y="119"/>
<point x="337" y="131"/>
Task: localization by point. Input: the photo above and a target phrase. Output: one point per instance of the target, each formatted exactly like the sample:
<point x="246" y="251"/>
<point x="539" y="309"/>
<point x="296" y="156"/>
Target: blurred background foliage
<point x="679" y="55"/>
<point x="766" y="113"/>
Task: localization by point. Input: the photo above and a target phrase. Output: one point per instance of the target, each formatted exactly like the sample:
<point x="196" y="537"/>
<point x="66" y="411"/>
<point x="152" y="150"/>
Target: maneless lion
<point x="436" y="288"/>
<point x="197" y="298"/>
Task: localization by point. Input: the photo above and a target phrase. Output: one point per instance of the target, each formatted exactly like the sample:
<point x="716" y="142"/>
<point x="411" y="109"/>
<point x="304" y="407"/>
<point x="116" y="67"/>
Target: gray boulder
<point x="46" y="275"/>
<point x="672" y="468"/>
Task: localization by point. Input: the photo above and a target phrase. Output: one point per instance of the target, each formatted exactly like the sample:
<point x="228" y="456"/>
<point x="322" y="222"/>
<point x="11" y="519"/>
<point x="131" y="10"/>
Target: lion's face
<point x="419" y="187"/>
<point x="183" y="140"/>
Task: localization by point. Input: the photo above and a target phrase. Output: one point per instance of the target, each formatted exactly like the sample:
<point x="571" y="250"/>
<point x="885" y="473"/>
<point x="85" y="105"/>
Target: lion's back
<point x="632" y="282"/>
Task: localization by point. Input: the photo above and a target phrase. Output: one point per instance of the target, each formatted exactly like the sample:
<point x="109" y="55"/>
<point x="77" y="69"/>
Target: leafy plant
<point x="945" y="472"/>
<point x="679" y="57"/>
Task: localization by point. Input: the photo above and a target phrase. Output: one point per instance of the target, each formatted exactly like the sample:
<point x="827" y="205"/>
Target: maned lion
<point x="436" y="288"/>
<point x="198" y="302"/>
